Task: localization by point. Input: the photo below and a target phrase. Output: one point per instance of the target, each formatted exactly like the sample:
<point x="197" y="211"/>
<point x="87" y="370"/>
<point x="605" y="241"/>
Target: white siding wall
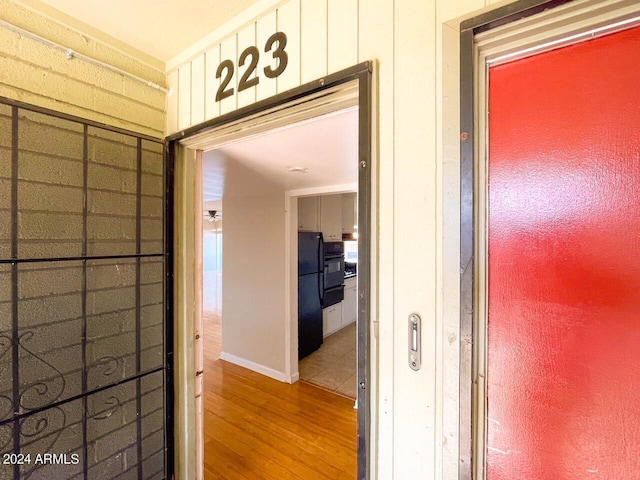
<point x="322" y="37"/>
<point x="415" y="46"/>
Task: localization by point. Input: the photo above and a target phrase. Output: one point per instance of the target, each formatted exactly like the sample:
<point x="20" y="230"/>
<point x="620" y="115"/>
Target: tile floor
<point x="333" y="365"/>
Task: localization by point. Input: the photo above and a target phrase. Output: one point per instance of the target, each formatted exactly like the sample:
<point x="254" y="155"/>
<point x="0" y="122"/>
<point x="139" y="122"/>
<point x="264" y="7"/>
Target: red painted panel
<point x="564" y="264"/>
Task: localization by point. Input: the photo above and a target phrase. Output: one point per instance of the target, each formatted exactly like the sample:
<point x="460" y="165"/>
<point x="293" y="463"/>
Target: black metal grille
<point x="82" y="307"/>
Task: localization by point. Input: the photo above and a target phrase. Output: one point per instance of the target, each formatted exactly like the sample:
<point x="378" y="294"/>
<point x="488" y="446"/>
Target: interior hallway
<point x="259" y="428"/>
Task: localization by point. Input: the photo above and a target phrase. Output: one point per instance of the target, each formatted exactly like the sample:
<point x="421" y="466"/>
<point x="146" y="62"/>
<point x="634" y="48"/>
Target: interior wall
<point x="416" y="414"/>
<point x="253" y="277"/>
<point x="40" y="75"/>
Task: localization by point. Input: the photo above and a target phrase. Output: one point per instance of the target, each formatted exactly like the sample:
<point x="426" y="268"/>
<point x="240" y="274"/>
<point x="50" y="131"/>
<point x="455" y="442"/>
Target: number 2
<point x="222" y="93"/>
<point x="255" y="55"/>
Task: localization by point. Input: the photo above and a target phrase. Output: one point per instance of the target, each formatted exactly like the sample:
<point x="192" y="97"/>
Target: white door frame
<point x="509" y="33"/>
<point x="335" y="92"/>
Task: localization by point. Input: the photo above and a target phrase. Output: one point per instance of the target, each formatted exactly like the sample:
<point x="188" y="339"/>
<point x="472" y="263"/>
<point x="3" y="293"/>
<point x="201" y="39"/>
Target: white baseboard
<point x="256" y="367"/>
<point x="295" y="377"/>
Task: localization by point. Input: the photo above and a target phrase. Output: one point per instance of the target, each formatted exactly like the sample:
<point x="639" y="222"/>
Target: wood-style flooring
<point x="259" y="428"/>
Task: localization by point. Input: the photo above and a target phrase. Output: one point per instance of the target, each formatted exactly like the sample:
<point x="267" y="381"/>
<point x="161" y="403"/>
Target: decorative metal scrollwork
<point x="99" y="371"/>
<point x="108" y="365"/>
<point x="114" y="405"/>
<point x="50" y="385"/>
<point x="44" y="429"/>
<point x="6" y="402"/>
<point x="6" y="435"/>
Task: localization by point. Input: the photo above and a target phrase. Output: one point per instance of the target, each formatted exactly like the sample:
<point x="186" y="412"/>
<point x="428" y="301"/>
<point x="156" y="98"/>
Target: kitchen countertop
<point x="350" y="275"/>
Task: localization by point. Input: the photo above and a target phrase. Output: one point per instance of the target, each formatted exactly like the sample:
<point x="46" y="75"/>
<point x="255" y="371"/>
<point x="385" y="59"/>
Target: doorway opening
<point x="259" y="280"/>
<point x="308" y="432"/>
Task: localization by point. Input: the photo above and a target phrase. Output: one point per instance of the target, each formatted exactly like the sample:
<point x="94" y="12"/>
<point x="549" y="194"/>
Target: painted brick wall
<point x="37" y="74"/>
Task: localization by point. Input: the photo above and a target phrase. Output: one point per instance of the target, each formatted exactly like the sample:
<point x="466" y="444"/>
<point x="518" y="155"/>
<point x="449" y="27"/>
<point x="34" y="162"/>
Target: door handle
<point x="415" y="341"/>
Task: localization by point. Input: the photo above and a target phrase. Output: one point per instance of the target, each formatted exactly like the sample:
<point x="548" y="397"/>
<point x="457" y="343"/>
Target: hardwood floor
<point x="259" y="428"/>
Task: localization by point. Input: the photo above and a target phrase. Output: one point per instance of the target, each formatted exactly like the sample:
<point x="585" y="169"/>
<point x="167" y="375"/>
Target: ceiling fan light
<point x="297" y="169"/>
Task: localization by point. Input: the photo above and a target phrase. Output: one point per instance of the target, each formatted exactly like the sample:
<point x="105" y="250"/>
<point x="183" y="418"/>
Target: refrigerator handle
<point x="321" y="290"/>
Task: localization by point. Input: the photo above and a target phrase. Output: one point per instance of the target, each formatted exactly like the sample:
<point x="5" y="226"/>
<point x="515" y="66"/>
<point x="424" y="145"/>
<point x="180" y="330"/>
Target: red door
<point x="564" y="264"/>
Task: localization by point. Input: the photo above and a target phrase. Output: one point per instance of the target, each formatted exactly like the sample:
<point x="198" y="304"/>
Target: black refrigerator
<point x="310" y="292"/>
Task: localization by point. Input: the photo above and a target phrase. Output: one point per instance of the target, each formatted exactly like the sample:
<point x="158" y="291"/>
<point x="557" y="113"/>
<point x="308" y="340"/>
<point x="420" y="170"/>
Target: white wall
<point x="416" y="205"/>
<point x="253" y="276"/>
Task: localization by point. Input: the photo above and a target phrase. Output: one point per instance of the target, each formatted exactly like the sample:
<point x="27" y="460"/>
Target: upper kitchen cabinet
<point x="331" y="217"/>
<point x="309" y="214"/>
<point x="349" y="213"/>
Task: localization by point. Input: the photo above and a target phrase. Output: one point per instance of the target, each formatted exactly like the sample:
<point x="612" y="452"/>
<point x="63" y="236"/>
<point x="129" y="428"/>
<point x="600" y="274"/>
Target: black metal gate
<point x="83" y="369"/>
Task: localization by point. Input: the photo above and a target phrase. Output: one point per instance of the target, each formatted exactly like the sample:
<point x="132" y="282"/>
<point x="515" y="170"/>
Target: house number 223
<point x="276" y="44"/>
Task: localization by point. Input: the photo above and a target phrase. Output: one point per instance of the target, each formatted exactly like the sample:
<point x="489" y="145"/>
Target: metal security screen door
<point x="82" y="269"/>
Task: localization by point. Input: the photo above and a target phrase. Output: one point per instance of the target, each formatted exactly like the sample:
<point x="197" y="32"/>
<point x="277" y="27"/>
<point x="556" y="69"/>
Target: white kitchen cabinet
<point x="331" y="319"/>
<point x="309" y="214"/>
<point x="350" y="302"/>
<point x="349" y="213"/>
<point x="331" y="217"/>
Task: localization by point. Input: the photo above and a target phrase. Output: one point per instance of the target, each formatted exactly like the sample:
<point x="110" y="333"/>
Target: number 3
<point x="279" y="54"/>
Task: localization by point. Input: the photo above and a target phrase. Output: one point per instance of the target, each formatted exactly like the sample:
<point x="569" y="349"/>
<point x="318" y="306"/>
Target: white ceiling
<point x="327" y="147"/>
<point x="160" y="28"/>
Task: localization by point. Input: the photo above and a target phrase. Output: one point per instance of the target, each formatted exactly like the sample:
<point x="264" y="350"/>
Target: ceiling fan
<point x="213" y="215"/>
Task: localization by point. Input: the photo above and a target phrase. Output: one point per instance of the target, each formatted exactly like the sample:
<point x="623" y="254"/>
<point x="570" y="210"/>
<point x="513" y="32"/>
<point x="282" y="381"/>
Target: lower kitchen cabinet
<point x="350" y="302"/>
<point x="331" y="319"/>
<point x="341" y="314"/>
